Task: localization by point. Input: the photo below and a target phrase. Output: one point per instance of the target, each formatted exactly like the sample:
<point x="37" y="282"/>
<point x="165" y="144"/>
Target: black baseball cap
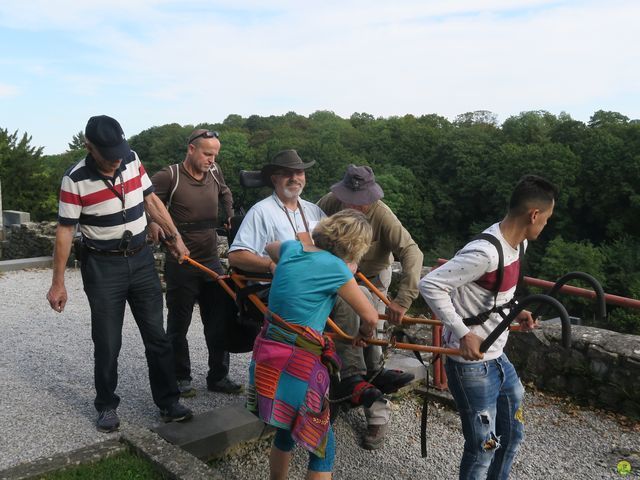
<point x="106" y="134"/>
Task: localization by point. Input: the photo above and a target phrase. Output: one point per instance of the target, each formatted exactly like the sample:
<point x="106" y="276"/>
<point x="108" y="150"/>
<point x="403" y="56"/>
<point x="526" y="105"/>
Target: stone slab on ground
<point x="210" y="434"/>
<point x="22" y="263"/>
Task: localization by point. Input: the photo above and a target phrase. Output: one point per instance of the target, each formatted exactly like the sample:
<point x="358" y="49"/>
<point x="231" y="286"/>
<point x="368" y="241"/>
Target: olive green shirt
<point x="390" y="239"/>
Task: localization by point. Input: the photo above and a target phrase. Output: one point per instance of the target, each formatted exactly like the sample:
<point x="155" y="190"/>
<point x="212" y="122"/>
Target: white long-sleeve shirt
<point x="464" y="287"/>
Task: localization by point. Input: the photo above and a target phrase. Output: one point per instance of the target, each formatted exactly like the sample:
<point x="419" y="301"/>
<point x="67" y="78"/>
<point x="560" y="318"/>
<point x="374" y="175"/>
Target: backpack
<point x="480" y="318"/>
<point x="174" y="170"/>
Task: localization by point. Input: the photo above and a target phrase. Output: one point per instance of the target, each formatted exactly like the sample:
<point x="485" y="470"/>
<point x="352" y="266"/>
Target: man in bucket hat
<point x="281" y="216"/>
<point x="359" y="190"/>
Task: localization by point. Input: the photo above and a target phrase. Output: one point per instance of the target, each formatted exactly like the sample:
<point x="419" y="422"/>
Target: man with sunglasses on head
<point x="281" y="216"/>
<point x="192" y="190"/>
<point x="106" y="194"/>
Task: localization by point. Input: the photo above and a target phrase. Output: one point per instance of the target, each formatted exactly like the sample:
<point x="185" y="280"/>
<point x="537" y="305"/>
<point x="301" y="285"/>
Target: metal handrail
<point x="595" y="284"/>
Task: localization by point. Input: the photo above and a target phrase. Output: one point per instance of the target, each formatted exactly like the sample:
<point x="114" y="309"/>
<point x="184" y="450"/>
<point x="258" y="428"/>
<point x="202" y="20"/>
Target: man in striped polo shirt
<point x="106" y="194"/>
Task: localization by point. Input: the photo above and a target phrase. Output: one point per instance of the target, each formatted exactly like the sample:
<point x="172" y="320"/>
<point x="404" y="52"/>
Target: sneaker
<point x="390" y="381"/>
<point x="226" y="385"/>
<point x="374" y="437"/>
<point x="185" y="389"/>
<point x="176" y="413"/>
<point x="359" y="391"/>
<point x="108" y="421"/>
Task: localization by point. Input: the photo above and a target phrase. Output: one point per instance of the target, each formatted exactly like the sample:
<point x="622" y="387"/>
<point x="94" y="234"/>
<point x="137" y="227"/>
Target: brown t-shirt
<point x="194" y="206"/>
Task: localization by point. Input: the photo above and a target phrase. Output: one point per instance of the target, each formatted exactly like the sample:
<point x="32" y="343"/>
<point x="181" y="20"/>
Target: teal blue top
<point x="305" y="285"/>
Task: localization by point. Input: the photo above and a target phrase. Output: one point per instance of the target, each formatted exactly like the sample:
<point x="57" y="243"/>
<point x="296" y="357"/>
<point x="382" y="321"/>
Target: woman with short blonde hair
<point x="289" y="371"/>
<point x="346" y="234"/>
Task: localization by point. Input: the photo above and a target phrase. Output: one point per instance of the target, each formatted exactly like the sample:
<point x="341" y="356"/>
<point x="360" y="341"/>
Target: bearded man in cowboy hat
<point x="358" y="190"/>
<point x="281" y="216"/>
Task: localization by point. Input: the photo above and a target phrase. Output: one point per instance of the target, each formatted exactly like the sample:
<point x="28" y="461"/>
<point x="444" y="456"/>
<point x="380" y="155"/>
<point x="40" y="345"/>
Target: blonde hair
<point x="347" y="234"/>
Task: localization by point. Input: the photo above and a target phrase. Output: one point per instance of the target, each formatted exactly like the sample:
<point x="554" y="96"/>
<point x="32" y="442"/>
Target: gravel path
<point x="46" y="395"/>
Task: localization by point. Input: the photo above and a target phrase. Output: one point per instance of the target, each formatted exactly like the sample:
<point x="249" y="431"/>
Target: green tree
<point x="25" y="185"/>
<point x="77" y="142"/>
<point x="529" y="127"/>
<point x="562" y="257"/>
<point x="603" y="118"/>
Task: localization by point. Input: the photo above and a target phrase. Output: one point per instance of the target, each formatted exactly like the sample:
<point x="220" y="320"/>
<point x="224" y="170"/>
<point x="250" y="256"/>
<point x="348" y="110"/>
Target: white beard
<point x="290" y="194"/>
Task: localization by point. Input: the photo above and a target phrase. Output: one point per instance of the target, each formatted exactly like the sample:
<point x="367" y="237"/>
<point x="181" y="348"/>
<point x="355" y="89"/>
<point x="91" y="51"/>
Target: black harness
<point x="480" y="318"/>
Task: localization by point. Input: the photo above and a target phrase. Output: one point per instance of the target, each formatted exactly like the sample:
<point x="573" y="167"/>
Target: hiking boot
<point x="108" y="421"/>
<point x="360" y="391"/>
<point x="225" y="385"/>
<point x="176" y="413"/>
<point x="390" y="381"/>
<point x="374" y="438"/>
<point x="185" y="389"/>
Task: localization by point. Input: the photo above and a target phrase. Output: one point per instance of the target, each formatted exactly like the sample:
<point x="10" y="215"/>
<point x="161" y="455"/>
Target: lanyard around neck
<point x="111" y="186"/>
<point x="286" y="212"/>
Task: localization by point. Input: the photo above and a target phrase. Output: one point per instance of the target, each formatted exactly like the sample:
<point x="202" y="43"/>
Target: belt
<point x="195" y="226"/>
<point x="116" y="253"/>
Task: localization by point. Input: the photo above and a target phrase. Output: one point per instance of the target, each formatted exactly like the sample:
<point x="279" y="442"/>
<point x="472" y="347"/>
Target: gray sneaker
<point x="225" y="385"/>
<point x="185" y="389"/>
<point x="374" y="437"/>
<point x="176" y="413"/>
<point x="108" y="421"/>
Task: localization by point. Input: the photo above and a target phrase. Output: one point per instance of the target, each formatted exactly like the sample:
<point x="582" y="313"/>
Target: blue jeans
<point x="109" y="282"/>
<point x="489" y="400"/>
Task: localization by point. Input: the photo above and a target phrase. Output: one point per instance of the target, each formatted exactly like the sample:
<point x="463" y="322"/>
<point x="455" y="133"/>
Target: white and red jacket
<point x="465" y="286"/>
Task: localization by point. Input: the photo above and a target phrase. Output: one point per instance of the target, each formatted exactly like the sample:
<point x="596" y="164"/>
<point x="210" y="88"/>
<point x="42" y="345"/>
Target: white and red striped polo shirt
<point x="85" y="198"/>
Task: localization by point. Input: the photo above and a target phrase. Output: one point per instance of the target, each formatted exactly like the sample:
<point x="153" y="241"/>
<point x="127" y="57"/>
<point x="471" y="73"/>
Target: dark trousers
<point x="187" y="285"/>
<point x="109" y="282"/>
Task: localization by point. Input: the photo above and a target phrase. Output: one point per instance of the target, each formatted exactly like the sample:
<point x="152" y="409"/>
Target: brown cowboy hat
<point x="284" y="159"/>
<point x="358" y="187"/>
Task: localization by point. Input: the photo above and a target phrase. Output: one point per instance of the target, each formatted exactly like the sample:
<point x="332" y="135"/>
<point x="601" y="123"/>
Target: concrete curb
<point x="22" y="263"/>
<point x="170" y="460"/>
<point x="47" y="465"/>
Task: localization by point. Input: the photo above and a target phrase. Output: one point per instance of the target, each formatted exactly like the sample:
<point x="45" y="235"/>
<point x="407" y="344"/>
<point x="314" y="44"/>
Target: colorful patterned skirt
<point x="289" y="383"/>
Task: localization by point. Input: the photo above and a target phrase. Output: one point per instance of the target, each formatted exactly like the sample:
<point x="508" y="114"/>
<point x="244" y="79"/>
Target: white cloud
<point x="202" y="60"/>
<point x="8" y="90"/>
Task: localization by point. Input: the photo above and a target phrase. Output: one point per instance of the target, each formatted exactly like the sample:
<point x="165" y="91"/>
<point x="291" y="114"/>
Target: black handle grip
<point x="522" y="304"/>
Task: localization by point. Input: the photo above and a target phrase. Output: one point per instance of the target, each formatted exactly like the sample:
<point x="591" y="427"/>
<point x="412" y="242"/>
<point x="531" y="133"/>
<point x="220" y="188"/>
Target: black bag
<point x="238" y="327"/>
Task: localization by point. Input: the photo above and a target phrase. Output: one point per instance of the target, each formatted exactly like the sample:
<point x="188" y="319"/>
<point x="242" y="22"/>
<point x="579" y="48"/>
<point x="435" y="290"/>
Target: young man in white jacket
<point x="486" y="387"/>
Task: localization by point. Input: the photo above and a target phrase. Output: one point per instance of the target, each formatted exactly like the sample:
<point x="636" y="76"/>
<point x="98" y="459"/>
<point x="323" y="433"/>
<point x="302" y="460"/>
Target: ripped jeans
<point x="489" y="400"/>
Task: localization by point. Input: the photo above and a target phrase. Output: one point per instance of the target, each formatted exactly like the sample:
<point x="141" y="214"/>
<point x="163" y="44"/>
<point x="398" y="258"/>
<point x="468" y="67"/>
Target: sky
<point x="153" y="62"/>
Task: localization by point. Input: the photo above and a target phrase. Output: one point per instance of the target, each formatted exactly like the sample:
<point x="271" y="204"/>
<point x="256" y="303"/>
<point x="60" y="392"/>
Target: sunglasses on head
<point x="207" y="134"/>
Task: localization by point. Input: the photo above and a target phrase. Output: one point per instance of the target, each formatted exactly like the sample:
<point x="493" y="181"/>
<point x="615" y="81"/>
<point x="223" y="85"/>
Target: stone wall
<point x="602" y="368"/>
<point x="27" y="240"/>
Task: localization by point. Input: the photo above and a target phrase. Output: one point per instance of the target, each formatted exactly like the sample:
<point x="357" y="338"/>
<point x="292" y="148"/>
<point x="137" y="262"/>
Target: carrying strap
<point x="175" y="172"/>
<point x="172" y="168"/>
<point x="484" y="316"/>
<point x="399" y="335"/>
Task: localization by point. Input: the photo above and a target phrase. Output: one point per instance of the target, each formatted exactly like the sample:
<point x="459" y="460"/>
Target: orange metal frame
<point x="241" y="281"/>
<point x="439" y="376"/>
